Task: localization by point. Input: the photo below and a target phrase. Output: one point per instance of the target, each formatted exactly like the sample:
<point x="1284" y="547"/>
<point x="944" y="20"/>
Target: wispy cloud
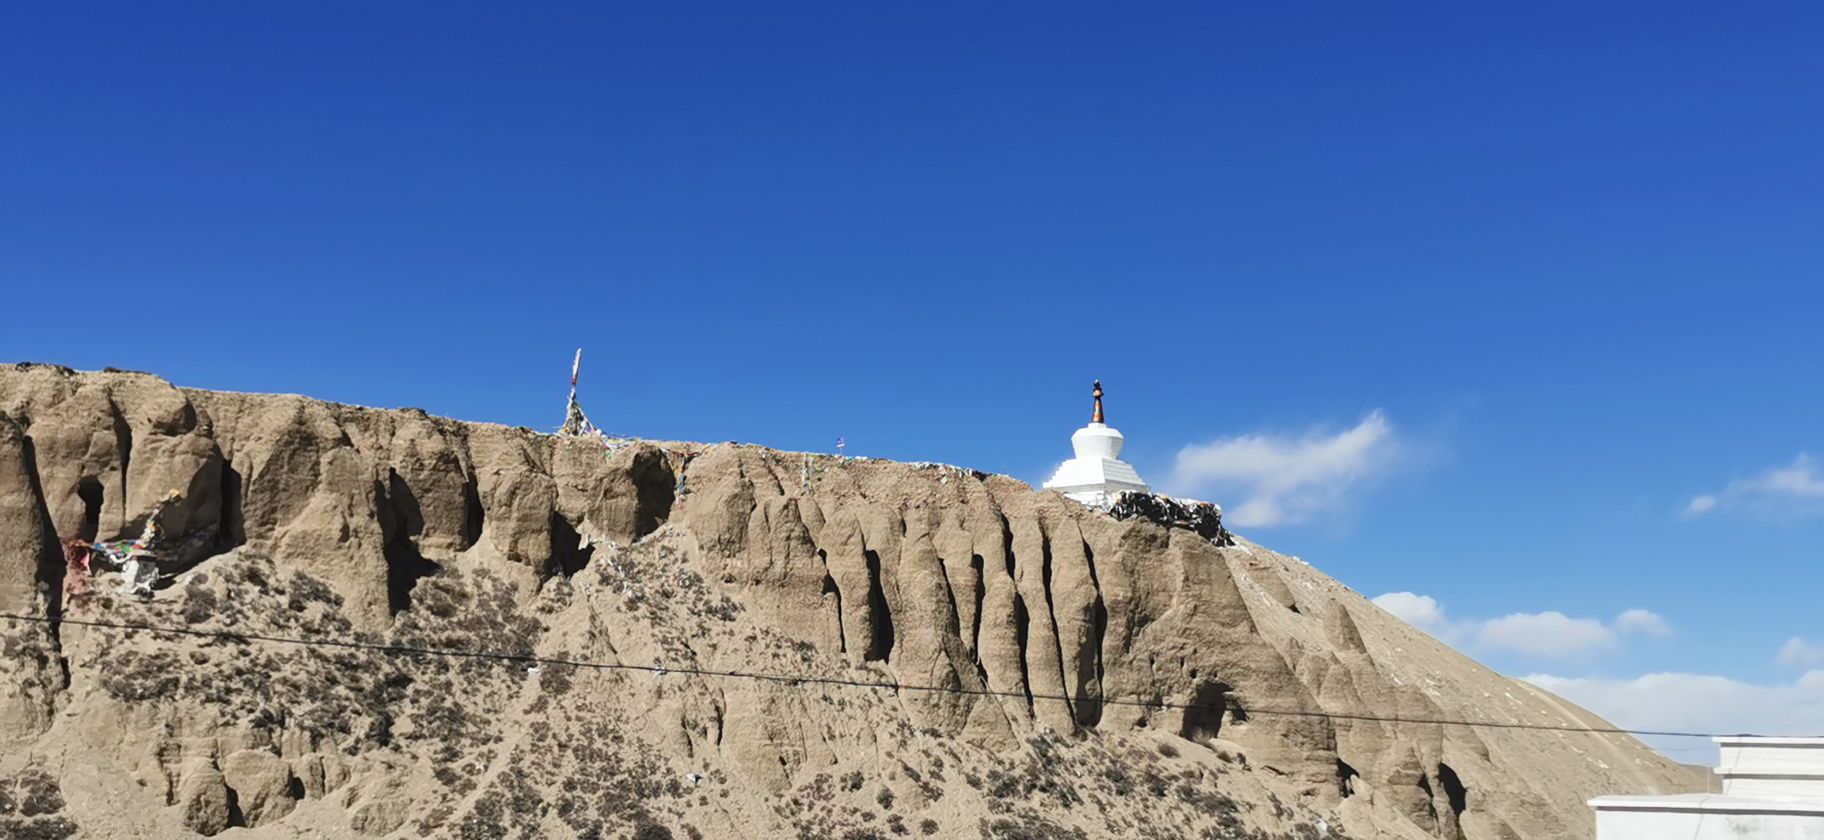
<point x="1798" y="653"/>
<point x="1794" y="489"/>
<point x="1286" y="479"/>
<point x="1421" y="611"/>
<point x="1639" y="622"/>
<point x="1541" y="635"/>
<point x="1696" y="703"/>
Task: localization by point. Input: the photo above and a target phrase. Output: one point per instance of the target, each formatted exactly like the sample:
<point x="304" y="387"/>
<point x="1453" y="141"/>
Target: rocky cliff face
<point x="1068" y="643"/>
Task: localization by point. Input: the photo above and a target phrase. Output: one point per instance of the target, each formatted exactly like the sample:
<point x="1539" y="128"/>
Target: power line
<point x="806" y="679"/>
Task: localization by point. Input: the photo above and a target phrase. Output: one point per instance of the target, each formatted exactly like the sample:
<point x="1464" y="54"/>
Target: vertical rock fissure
<point x="123" y="441"/>
<point x="1345" y="778"/>
<point x="830" y="588"/>
<point x="396" y="508"/>
<point x="1431" y="800"/>
<point x="231" y="531"/>
<point x="50" y="567"/>
<point x="975" y="620"/>
<point x="473" y="514"/>
<point x="1021" y="631"/>
<point x="1456" y="795"/>
<point x="880" y="615"/>
<point x="956" y="622"/>
<point x="1090" y="713"/>
<point x="1007" y="558"/>
<point x="1051" y="616"/>
<point x="236" y="817"/>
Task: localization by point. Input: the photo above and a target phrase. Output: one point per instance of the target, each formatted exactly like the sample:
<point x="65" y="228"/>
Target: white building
<point x="1097" y="474"/>
<point x="1772" y="788"/>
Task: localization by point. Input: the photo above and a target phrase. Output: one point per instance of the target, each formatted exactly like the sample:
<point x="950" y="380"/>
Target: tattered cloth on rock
<point x="76" y="554"/>
<point x="1202" y="518"/>
<point x="137" y="559"/>
<point x="576" y="423"/>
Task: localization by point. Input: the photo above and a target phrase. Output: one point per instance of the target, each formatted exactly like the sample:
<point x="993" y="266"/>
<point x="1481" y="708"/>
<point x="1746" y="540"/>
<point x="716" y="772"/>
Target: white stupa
<point x="1097" y="474"/>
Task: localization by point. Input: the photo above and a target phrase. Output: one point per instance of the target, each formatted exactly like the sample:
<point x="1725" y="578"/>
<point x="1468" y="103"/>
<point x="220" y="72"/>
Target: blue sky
<point x="1465" y="302"/>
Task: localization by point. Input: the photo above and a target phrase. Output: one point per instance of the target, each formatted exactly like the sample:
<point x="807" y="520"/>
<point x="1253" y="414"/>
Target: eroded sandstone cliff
<point x="1065" y="644"/>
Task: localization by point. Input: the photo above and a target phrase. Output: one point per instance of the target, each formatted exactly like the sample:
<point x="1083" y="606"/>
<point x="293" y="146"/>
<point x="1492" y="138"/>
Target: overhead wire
<point x="811" y="679"/>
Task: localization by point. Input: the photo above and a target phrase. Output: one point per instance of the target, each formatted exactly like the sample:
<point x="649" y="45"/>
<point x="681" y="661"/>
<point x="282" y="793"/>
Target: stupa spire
<point x="1096" y="476"/>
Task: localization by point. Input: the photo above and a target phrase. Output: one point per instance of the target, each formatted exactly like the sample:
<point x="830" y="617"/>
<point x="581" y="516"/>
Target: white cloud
<point x="1547" y="635"/>
<point x="1798" y="653"/>
<point x="1421" y="611"/>
<point x="1284" y="480"/>
<point x="1639" y="622"/>
<point x="1697" y="703"/>
<point x="1543" y="635"/>
<point x="1794" y="489"/>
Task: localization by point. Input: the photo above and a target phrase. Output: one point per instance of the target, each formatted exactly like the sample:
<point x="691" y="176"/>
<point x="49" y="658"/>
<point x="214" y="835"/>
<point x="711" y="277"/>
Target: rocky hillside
<point x="1068" y="645"/>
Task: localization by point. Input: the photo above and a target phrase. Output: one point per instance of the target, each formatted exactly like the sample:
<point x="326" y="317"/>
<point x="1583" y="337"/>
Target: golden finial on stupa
<point x="1097" y="417"/>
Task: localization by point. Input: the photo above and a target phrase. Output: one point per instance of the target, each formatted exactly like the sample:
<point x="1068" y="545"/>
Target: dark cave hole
<point x="880" y="616"/>
<point x="1209" y="706"/>
<point x="1453" y="789"/>
<point x="90" y="492"/>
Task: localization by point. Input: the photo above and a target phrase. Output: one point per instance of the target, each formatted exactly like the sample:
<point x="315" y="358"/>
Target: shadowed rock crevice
<point x="952" y="617"/>
<point x="1209" y="706"/>
<point x="570" y="552"/>
<point x="474" y="516"/>
<point x="89" y="490"/>
<point x="1456" y="795"/>
<point x="233" y="529"/>
<point x="1453" y="789"/>
<point x="1089" y="713"/>
<point x="1022" y="622"/>
<point x="655" y="489"/>
<point x="123" y="442"/>
<point x="1345" y="778"/>
<point x="401" y="522"/>
<point x="1430" y="803"/>
<point x="880" y="615"/>
<point x="980" y="592"/>
<point x="1051" y="618"/>
<point x="833" y="594"/>
<point x="49" y="569"/>
<point x="236" y="817"/>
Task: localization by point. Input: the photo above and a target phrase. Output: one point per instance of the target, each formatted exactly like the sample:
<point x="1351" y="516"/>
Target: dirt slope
<point x="320" y="521"/>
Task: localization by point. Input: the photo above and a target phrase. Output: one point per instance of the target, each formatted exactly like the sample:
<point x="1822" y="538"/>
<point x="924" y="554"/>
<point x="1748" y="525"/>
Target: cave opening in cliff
<point x="1345" y="778"/>
<point x="1454" y="789"/>
<point x="656" y="488"/>
<point x="570" y="553"/>
<point x="1209" y="707"/>
<point x="90" y="492"/>
<point x="404" y="568"/>
<point x="880" y="616"/>
<point x="401" y="522"/>
<point x="833" y="595"/>
<point x="233" y="527"/>
<point x="474" y="516"/>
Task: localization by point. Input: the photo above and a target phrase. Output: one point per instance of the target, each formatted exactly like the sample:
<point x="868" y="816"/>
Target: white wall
<point x="1663" y="825"/>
